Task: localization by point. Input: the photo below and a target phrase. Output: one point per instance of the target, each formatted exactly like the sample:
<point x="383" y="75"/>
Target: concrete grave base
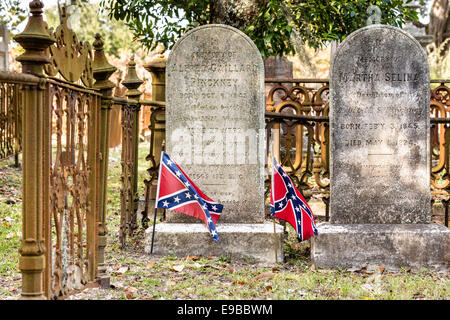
<point x="389" y="245"/>
<point x="237" y="241"/>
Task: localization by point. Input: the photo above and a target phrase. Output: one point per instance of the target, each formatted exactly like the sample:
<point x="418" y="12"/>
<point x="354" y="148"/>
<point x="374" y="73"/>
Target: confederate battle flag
<point x="177" y="192"/>
<point x="286" y="203"/>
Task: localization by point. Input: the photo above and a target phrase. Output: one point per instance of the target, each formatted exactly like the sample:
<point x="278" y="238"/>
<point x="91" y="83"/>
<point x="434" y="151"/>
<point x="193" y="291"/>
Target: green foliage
<point x="160" y="21"/>
<point x="88" y="20"/>
<point x="337" y="19"/>
<point x="12" y="13"/>
<point x="271" y="32"/>
<point x="315" y="21"/>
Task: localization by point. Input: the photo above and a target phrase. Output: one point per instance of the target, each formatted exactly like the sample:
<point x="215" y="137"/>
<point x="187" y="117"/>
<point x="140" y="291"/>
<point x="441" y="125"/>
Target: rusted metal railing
<point x="440" y="143"/>
<point x="297" y="124"/>
<point x="10" y="116"/>
<point x="157" y="128"/>
<point x="57" y="112"/>
<point x="65" y="96"/>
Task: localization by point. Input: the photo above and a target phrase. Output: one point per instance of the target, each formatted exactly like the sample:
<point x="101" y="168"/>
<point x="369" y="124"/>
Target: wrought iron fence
<point x="64" y="159"/>
<point x="73" y="189"/>
<point x="440" y="143"/>
<point x="64" y="97"/>
<point x="10" y="117"/>
<point x="128" y="177"/>
<point x="297" y="125"/>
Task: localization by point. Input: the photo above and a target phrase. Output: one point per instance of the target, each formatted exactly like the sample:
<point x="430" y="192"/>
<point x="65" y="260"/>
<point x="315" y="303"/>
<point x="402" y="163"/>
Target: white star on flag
<point x="165" y="204"/>
<point x="188" y="195"/>
<point x="169" y="162"/>
<point x="176" y="199"/>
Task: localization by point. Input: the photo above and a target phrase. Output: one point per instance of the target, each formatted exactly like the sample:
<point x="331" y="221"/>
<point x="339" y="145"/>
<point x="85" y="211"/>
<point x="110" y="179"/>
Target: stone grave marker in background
<point x="277" y="67"/>
<point x="215" y="132"/>
<point x="4" y="39"/>
<point x="380" y="157"/>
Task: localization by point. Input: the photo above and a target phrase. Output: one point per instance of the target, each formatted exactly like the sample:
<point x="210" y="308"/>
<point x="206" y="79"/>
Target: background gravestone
<point x="379" y="156"/>
<point x="4" y="39"/>
<point x="215" y="131"/>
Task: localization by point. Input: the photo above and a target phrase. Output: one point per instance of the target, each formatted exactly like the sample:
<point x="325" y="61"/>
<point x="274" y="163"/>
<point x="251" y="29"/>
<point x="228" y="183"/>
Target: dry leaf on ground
<point x="130" y="292"/>
<point x="265" y="275"/>
<point x="177" y="268"/>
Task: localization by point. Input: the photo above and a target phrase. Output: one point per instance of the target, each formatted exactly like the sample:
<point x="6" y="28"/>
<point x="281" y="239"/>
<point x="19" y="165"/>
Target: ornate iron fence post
<point x="102" y="70"/>
<point x="35" y="39"/>
<point x="157" y="127"/>
<point x="131" y="143"/>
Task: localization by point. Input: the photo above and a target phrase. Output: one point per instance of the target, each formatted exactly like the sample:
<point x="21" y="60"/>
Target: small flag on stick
<point x="177" y="192"/>
<point x="287" y="203"/>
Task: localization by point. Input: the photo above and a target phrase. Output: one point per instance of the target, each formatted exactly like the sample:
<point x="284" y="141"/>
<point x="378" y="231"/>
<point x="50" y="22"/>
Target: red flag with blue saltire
<point x="177" y="192"/>
<point x="287" y="203"/>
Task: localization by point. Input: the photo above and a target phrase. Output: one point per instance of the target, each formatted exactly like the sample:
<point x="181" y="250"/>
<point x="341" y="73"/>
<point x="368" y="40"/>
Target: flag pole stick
<point x="275" y="240"/>
<point x="156" y="200"/>
<point x="153" y="233"/>
<point x="272" y="155"/>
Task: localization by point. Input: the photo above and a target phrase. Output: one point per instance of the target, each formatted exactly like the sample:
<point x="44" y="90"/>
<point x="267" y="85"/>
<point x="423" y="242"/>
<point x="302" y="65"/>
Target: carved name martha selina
<point x="215" y="118"/>
<point x="379" y="129"/>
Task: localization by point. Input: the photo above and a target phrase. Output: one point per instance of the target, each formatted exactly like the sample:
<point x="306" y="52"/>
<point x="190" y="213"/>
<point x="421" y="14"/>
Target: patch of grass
<point x="212" y="278"/>
<point x="10" y="217"/>
<point x="156" y="277"/>
<point x="10" y="237"/>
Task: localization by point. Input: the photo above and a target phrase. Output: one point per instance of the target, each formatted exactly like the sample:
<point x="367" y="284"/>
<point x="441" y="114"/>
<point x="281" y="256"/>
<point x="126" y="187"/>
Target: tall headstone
<point x="277" y="67"/>
<point x="215" y="132"/>
<point x="379" y="150"/>
<point x="418" y="32"/>
<point x="379" y="156"/>
<point x="215" y="119"/>
<point x="4" y="39"/>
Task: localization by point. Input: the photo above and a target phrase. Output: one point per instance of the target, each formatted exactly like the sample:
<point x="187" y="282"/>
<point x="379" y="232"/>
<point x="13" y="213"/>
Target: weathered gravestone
<point x="215" y="132"/>
<point x="380" y="157"/>
<point x="3" y="48"/>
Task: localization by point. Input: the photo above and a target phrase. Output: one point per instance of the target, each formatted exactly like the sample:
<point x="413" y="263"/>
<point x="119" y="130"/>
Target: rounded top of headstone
<point x="373" y="31"/>
<point x="215" y="27"/>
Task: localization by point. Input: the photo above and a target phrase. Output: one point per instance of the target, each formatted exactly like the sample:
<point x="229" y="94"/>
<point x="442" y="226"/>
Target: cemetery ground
<point x="136" y="275"/>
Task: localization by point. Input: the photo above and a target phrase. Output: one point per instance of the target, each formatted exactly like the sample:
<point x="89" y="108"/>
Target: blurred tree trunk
<point x="439" y="25"/>
<point x="237" y="13"/>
